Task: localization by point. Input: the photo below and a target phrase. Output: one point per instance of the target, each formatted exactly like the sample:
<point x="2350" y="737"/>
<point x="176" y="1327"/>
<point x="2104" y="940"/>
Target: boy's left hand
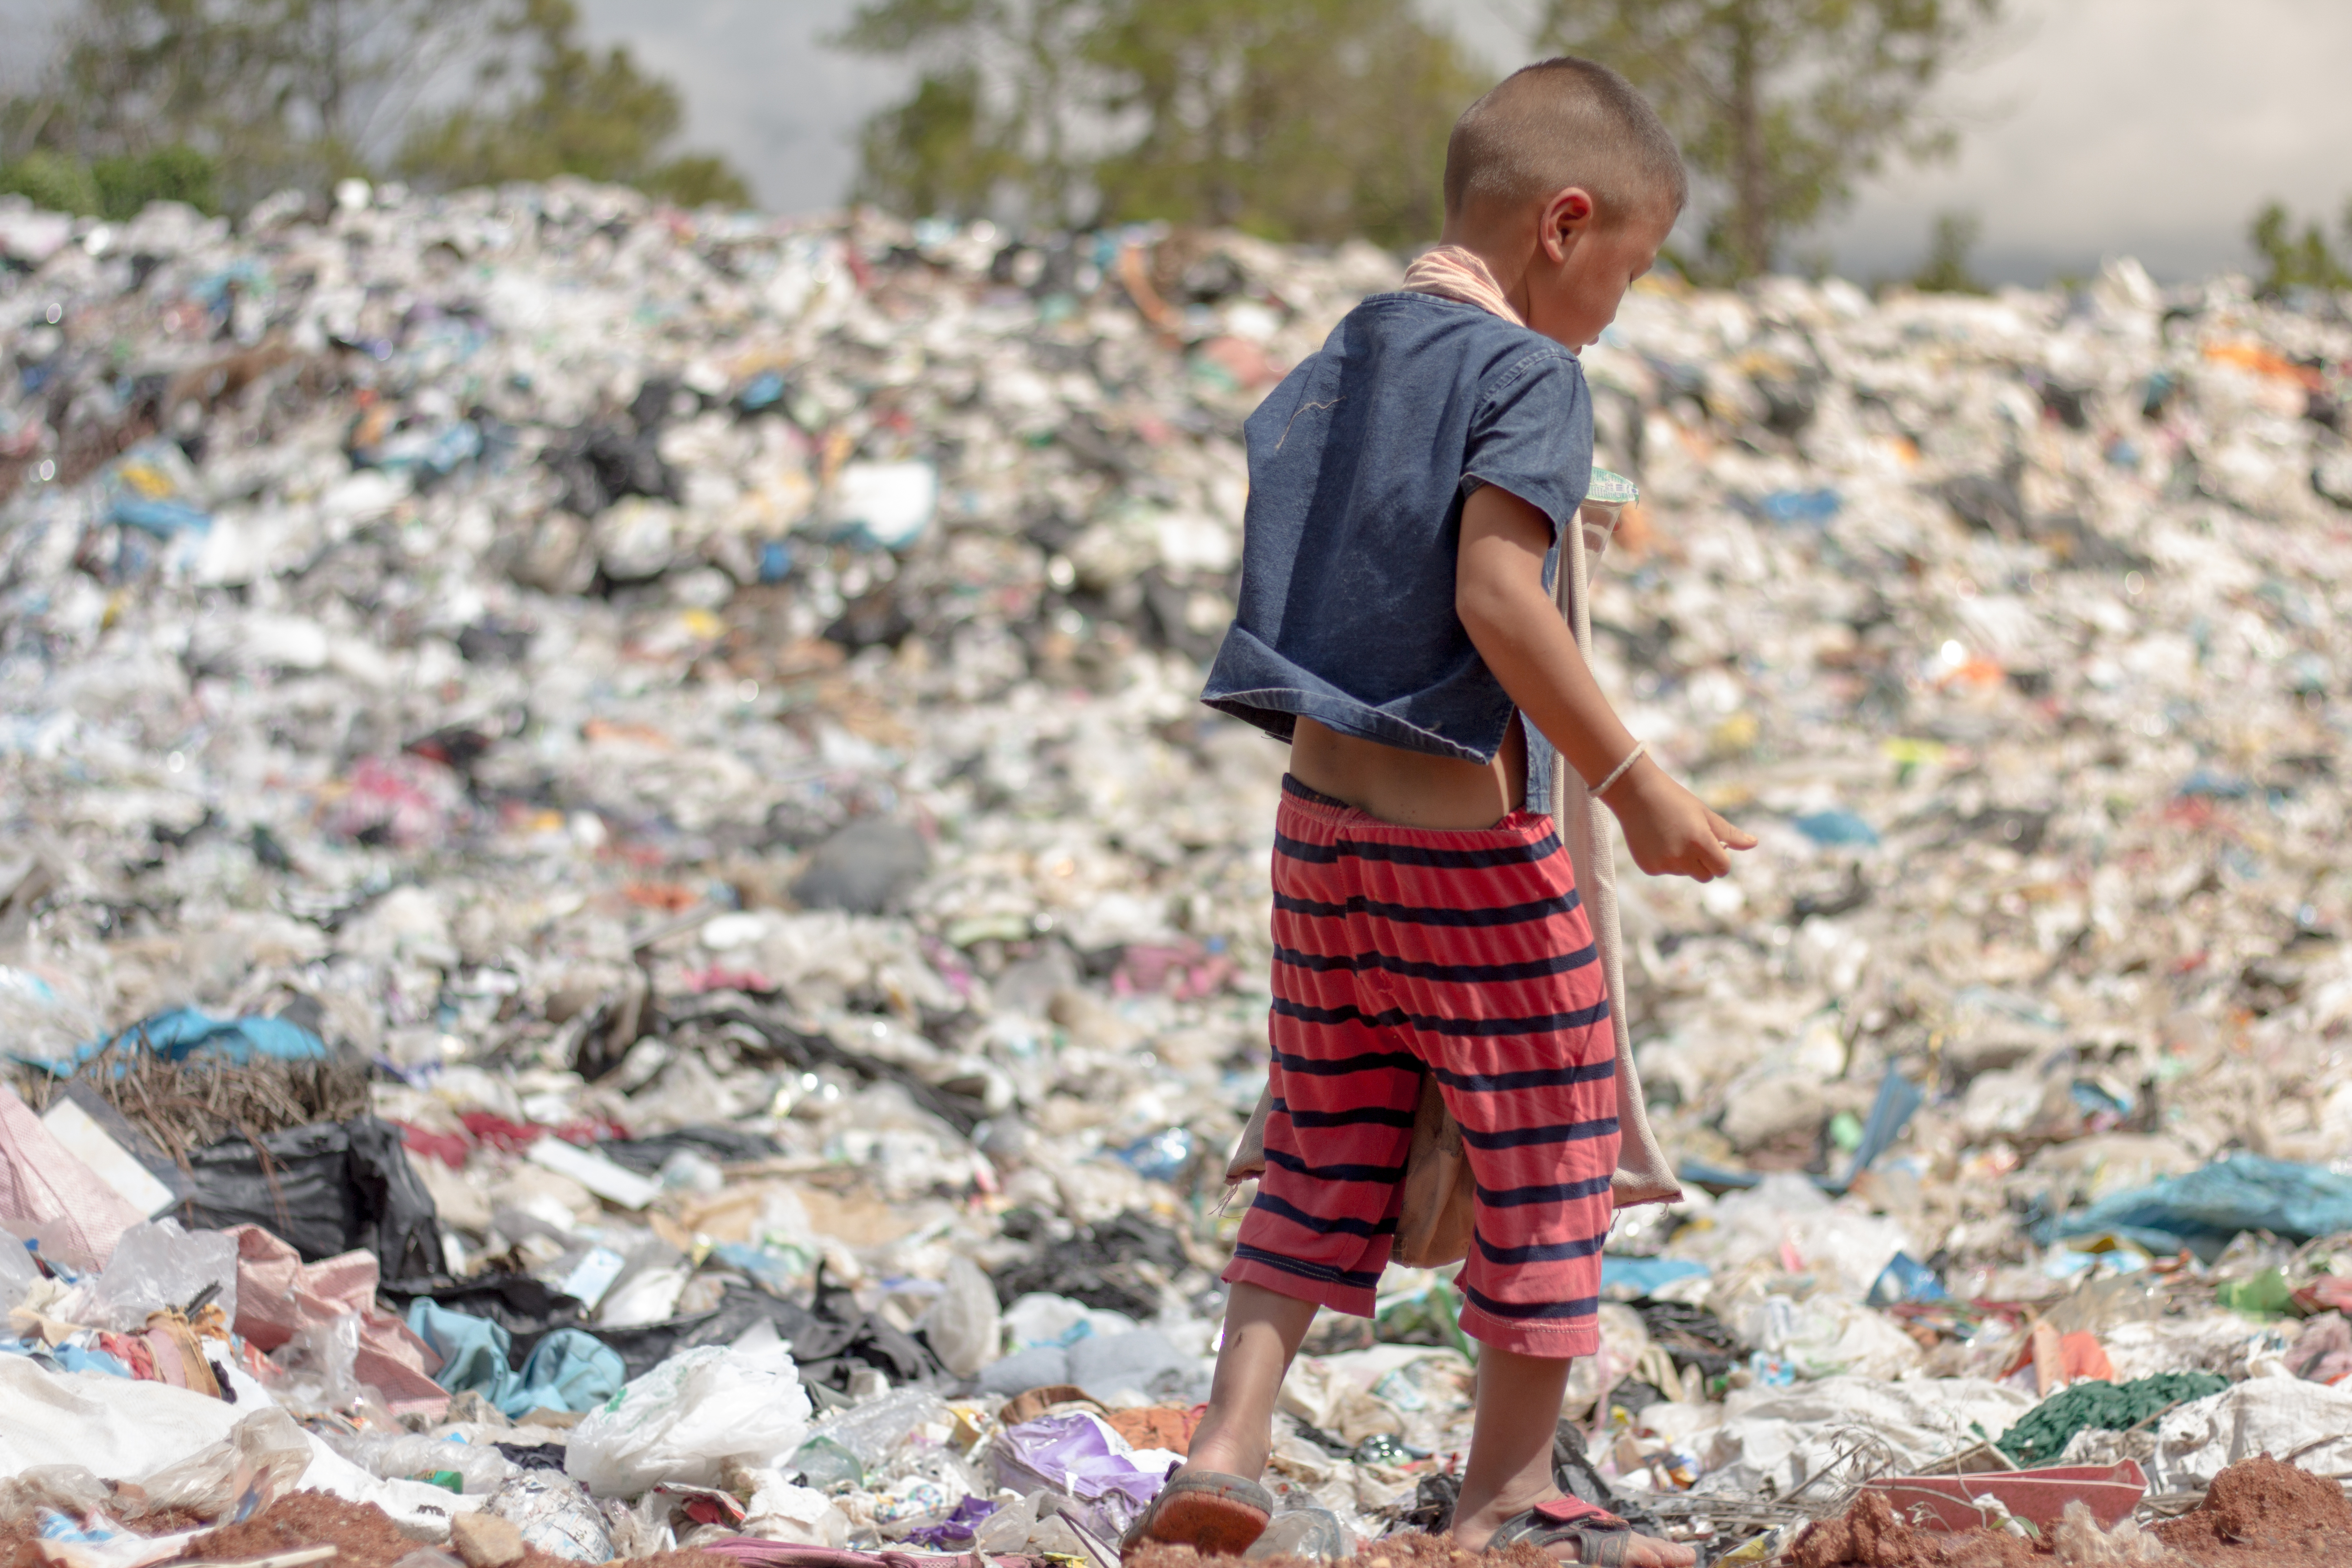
<point x="1671" y="831"/>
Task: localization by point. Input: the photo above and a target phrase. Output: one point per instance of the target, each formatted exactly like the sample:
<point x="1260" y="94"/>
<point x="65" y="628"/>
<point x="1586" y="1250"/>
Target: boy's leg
<point x="1320" y="1231"/>
<point x="1263" y="1331"/>
<point x="1509" y="1468"/>
<point x="1506" y="1001"/>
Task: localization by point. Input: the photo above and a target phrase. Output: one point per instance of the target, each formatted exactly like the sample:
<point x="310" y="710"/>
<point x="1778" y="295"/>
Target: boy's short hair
<point x="1561" y="123"/>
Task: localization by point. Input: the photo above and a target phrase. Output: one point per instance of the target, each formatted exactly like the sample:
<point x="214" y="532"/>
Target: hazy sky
<point x="2092" y="127"/>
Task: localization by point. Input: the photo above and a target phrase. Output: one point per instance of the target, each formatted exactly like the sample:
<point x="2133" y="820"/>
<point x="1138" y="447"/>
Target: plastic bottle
<point x="964" y="1326"/>
<point x="17" y="1272"/>
<point x="825" y="1464"/>
<point x="479" y="1469"/>
<point x="1310" y="1533"/>
<point x="872" y="1432"/>
<point x="1006" y="1530"/>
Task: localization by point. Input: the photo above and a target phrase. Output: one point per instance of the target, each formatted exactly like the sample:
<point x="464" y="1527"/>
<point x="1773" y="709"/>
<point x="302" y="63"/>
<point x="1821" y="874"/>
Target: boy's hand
<point x="1670" y="831"/>
<point x="1515" y="626"/>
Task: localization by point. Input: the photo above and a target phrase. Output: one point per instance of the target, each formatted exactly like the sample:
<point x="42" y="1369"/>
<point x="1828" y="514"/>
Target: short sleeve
<point x="1531" y="432"/>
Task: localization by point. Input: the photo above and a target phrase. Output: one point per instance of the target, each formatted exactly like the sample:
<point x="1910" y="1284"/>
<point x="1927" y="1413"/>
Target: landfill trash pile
<point x="619" y="930"/>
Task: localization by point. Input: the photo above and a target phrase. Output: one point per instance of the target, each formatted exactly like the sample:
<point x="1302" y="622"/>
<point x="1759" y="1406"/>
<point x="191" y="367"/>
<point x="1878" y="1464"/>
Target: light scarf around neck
<point x="1453" y="272"/>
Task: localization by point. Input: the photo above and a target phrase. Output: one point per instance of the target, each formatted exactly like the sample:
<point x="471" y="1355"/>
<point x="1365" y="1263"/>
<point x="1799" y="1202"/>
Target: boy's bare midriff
<point x="1412" y="789"/>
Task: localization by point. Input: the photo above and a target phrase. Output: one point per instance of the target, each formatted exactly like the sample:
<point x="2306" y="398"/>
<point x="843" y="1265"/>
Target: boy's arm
<point x="1516" y="628"/>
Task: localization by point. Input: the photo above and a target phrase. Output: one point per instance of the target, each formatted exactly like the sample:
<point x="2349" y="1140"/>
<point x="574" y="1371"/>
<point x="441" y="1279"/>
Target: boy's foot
<point x="1569" y="1530"/>
<point x="1211" y="1512"/>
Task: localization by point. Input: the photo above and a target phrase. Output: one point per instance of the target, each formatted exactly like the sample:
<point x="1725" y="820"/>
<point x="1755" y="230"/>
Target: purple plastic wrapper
<point x="1079" y="1457"/>
<point x="956" y="1530"/>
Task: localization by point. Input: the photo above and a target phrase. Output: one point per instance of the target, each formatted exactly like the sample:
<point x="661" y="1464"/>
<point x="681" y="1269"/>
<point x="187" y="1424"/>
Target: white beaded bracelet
<point x="1619" y="771"/>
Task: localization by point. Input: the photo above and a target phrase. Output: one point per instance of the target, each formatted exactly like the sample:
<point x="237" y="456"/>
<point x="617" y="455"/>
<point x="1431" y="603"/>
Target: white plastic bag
<point x="319" y="1366"/>
<point x="780" y="1510"/>
<point x="964" y="1325"/>
<point x="873" y="1430"/>
<point x="73" y="1490"/>
<point x="554" y="1516"/>
<point x="158" y="1265"/>
<point x="687" y="1417"/>
<point x="264" y="1455"/>
<point x="416" y="1456"/>
<point x="17" y="1274"/>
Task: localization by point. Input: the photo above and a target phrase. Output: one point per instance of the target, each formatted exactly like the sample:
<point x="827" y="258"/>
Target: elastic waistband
<point x="1303" y="803"/>
<point x="1296" y="791"/>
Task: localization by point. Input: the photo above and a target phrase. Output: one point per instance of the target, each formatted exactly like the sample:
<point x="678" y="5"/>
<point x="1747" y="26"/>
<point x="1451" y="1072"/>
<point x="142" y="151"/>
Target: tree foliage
<point x="1780" y="106"/>
<point x="2298" y="262"/>
<point x="271" y="93"/>
<point x="114" y="188"/>
<point x="940" y="152"/>
<point x="1300" y="120"/>
<point x="574" y="112"/>
<point x="1946" y="269"/>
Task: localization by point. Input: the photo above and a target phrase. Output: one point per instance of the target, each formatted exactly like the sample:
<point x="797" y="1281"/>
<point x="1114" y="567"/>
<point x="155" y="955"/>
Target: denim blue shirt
<point x="1359" y="465"/>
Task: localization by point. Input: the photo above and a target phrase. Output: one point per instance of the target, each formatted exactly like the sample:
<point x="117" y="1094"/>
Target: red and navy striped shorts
<point x="1403" y="950"/>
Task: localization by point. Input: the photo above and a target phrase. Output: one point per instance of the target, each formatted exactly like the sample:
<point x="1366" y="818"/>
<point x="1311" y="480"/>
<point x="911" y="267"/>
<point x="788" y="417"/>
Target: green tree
<point x="51" y="179"/>
<point x="2298" y="262"/>
<point x="1780" y="106"/>
<point x="270" y="91"/>
<point x="996" y="114"/>
<point x="937" y="153"/>
<point x="574" y="112"/>
<point x="1946" y="270"/>
<point x="1309" y="119"/>
<point x="113" y="188"/>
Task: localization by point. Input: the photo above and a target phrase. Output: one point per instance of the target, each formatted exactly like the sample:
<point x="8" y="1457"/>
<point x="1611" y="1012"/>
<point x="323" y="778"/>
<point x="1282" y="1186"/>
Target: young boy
<point x="1409" y="485"/>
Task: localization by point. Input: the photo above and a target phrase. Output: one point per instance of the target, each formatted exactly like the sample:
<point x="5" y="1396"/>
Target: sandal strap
<point x="1600" y="1537"/>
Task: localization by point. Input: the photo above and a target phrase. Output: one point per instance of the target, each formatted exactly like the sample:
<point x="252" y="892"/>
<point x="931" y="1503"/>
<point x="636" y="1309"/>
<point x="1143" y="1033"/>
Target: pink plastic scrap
<point x="753" y="1553"/>
<point x="42" y="1180"/>
<point x="278" y="1295"/>
<point x="2039" y="1497"/>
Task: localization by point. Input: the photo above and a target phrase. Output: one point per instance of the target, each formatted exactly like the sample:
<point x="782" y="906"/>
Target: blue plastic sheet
<point x="1838" y="827"/>
<point x="1814" y="507"/>
<point x="2211" y="785"/>
<point x="162" y="517"/>
<point x="1645" y="1276"/>
<point x="81" y="1358"/>
<point x="1906" y="1279"/>
<point x="184" y="1032"/>
<point x="569" y="1369"/>
<point x="1898" y="1100"/>
<point x="2206" y="1210"/>
<point x="1163" y="1156"/>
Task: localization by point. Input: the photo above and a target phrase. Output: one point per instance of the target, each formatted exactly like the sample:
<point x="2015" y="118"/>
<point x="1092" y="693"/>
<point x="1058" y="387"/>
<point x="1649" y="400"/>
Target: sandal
<point x="1598" y="1536"/>
<point x="1210" y="1513"/>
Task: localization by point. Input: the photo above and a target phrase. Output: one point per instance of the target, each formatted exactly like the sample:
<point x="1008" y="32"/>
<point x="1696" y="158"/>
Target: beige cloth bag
<point x="1644" y="1174"/>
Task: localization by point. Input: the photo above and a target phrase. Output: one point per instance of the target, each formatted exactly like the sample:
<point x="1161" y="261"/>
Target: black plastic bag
<point x="326" y="1189"/>
<point x="831" y="1337"/>
<point x="720" y="1144"/>
<point x="1097" y="1266"/>
<point x="742" y="1307"/>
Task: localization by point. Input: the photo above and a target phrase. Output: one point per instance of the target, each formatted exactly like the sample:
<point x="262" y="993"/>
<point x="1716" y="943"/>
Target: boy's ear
<point x="1565" y="216"/>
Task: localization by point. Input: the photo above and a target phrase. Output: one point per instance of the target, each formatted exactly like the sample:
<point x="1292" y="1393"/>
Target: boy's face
<point x="1584" y="266"/>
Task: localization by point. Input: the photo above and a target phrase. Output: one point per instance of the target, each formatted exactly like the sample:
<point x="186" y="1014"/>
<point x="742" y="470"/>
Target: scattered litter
<point x="620" y="919"/>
